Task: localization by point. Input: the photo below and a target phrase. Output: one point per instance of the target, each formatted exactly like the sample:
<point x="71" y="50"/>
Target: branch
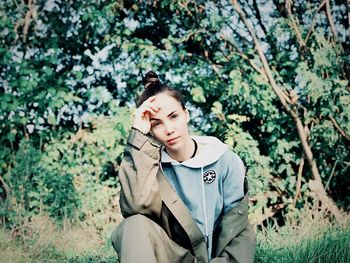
<point x="281" y="9"/>
<point x="332" y="173"/>
<point x="244" y="56"/>
<point x="27" y="20"/>
<point x="5" y="187"/>
<point x="288" y="6"/>
<point x="314" y="21"/>
<point x="19" y="7"/>
<point x="258" y="16"/>
<point x="15" y="28"/>
<point x="336" y="125"/>
<point x="300" y="172"/>
<point x="294" y="24"/>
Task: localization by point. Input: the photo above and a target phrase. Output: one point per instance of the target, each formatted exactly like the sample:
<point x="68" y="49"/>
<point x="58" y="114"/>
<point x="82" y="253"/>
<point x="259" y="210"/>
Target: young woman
<point x="184" y="197"/>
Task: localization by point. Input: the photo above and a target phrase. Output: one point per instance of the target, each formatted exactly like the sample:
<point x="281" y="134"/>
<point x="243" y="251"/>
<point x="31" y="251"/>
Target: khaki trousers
<point x="138" y="239"/>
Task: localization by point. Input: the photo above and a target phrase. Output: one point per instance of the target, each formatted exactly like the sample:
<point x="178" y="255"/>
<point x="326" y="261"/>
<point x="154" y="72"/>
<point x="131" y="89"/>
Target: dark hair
<point x="153" y="86"/>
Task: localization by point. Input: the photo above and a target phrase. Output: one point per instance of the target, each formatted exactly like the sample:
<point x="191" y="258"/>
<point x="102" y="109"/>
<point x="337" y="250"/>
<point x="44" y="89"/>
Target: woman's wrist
<point x="139" y="129"/>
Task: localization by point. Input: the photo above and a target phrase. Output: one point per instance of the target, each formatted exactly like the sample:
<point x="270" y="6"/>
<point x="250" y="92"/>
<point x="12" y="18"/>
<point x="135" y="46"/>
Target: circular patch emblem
<point x="209" y="176"/>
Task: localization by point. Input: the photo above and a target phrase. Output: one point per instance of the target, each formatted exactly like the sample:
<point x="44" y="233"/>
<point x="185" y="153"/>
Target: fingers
<point x="150" y="110"/>
<point x="155" y="108"/>
<point x="151" y="102"/>
<point x="149" y="106"/>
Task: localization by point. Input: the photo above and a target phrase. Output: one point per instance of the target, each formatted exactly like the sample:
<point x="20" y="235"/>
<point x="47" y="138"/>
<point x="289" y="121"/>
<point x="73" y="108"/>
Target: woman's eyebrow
<point x="155" y="119"/>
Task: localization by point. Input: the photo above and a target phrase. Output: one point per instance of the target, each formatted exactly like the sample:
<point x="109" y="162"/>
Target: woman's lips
<point x="172" y="141"/>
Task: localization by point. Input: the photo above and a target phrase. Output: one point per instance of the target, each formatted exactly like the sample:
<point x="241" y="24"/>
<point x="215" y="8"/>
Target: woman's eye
<point x="155" y="124"/>
<point x="173" y="116"/>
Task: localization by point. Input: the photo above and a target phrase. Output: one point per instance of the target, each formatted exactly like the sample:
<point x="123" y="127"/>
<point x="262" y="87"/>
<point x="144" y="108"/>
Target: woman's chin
<point x="174" y="146"/>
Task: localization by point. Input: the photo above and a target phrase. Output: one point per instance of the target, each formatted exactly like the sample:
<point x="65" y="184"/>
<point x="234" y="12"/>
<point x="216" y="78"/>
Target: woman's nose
<point x="169" y="129"/>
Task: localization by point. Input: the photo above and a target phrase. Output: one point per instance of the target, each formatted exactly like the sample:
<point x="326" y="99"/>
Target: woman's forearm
<point x="137" y="174"/>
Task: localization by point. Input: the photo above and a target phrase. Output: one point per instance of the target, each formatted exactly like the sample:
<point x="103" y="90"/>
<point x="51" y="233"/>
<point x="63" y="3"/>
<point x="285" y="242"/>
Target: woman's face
<point x="169" y="124"/>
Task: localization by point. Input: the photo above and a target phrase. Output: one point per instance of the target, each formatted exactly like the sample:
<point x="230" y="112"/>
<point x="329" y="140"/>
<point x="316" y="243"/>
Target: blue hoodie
<point x="210" y="184"/>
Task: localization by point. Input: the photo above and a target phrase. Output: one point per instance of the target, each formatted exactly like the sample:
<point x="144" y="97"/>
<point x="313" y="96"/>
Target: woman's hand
<point x="142" y="117"/>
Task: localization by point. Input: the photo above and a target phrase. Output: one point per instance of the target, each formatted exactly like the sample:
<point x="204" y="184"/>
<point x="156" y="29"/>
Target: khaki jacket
<point x="146" y="191"/>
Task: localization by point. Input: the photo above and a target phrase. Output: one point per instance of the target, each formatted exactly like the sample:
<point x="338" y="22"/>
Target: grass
<point x="311" y="238"/>
<point x="333" y="245"/>
<point x="45" y="242"/>
<point x="314" y="240"/>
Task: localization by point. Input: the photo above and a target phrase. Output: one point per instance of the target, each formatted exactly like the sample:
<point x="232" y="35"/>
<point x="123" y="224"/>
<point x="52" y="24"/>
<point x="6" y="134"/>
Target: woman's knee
<point x="138" y="220"/>
<point x="132" y="227"/>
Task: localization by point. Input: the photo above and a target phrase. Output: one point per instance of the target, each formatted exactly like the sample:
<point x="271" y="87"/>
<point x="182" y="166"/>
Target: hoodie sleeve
<point x="233" y="181"/>
<point x="137" y="174"/>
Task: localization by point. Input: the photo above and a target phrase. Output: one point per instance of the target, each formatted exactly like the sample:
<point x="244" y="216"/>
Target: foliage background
<point x="70" y="72"/>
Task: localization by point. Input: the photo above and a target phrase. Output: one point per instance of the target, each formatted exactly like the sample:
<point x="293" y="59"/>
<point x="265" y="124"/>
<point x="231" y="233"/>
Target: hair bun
<point x="151" y="80"/>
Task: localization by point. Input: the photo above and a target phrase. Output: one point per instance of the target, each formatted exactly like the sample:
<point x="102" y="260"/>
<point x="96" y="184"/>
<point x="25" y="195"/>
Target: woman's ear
<point x="187" y="115"/>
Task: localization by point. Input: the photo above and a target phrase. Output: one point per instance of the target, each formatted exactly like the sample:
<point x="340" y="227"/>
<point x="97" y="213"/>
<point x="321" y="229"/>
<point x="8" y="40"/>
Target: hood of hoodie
<point x="211" y="151"/>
